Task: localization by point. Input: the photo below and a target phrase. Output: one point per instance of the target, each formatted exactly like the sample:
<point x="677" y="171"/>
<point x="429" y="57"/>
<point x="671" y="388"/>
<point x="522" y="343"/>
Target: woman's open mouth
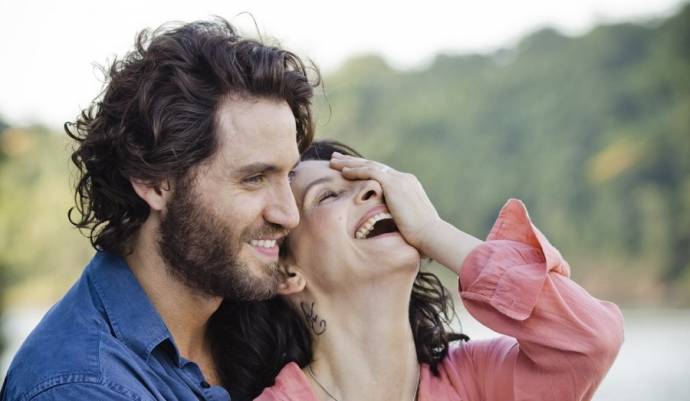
<point x="377" y="225"/>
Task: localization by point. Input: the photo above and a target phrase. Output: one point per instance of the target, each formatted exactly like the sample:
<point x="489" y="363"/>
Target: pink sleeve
<point x="518" y="284"/>
<point x="290" y="385"/>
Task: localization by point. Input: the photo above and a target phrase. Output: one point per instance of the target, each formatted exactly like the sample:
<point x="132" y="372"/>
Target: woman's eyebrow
<point x="314" y="184"/>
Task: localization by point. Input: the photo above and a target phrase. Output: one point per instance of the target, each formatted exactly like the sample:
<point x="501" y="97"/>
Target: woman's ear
<point x="154" y="195"/>
<point x="293" y="280"/>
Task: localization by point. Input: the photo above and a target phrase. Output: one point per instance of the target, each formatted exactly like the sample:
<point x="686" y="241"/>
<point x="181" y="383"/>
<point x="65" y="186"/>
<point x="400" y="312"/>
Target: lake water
<point x="653" y="365"/>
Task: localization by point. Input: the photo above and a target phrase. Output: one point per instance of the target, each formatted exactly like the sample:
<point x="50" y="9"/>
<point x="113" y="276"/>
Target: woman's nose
<point x="371" y="190"/>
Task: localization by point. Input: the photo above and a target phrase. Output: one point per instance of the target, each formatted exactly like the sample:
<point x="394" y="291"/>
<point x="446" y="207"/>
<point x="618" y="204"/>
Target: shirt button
<point x="205" y="384"/>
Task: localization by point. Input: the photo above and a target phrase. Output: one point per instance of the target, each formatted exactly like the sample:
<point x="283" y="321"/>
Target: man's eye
<point x="327" y="195"/>
<point x="255" y="179"/>
<point x="291" y="175"/>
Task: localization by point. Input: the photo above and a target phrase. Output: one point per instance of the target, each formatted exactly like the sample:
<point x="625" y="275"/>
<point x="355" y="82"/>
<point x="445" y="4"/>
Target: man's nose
<point x="283" y="208"/>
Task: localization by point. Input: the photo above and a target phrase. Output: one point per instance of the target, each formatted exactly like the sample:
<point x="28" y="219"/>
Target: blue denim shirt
<point x="104" y="341"/>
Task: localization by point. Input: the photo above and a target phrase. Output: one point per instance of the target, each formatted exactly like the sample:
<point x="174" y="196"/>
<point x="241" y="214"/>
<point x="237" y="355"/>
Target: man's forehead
<point x="268" y="156"/>
<point x="240" y="119"/>
<point x="268" y="149"/>
<point x="241" y="148"/>
<point x="244" y="160"/>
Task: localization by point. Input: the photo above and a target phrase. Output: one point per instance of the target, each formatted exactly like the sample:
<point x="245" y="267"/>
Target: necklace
<point x="313" y="376"/>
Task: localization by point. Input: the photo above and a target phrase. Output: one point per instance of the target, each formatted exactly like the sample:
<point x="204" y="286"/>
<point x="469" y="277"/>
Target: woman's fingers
<point x="412" y="210"/>
<point x="362" y="169"/>
<point x="355" y="168"/>
<point x="355" y="162"/>
<point x="406" y="199"/>
<point x="364" y="173"/>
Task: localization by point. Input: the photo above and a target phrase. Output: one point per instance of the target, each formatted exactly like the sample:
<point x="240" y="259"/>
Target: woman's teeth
<point x="263" y="243"/>
<point x="368" y="225"/>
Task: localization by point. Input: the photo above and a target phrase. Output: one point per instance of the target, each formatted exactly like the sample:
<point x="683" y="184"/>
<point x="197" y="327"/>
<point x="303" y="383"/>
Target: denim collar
<point x="133" y="318"/>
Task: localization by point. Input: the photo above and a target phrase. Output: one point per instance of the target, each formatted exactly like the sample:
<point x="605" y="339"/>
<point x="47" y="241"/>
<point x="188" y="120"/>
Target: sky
<point x="49" y="49"/>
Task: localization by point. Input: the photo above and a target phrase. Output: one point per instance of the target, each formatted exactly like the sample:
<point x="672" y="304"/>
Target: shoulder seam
<point x="115" y="387"/>
<point x="69" y="378"/>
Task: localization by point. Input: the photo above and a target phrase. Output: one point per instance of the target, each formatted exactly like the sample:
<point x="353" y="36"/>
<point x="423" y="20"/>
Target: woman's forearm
<point x="447" y="245"/>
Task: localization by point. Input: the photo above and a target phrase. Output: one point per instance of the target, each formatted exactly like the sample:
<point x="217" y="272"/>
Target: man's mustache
<point x="267" y="230"/>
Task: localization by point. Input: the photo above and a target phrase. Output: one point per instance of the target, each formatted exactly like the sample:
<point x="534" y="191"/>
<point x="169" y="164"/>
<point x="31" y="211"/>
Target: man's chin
<point x="258" y="264"/>
<point x="254" y="289"/>
<point x="257" y="281"/>
<point x="236" y="281"/>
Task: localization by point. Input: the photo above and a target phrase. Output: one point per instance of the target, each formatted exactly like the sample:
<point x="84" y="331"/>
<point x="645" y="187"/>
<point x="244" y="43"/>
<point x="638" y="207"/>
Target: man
<point x="184" y="190"/>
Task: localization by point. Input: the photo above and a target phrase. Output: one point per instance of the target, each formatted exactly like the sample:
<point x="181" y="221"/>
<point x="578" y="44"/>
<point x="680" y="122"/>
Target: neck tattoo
<point x="318" y="326"/>
<point x="313" y="376"/>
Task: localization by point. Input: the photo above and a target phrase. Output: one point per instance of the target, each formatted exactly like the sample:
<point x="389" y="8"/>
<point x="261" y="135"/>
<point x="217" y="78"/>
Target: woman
<point x="351" y="270"/>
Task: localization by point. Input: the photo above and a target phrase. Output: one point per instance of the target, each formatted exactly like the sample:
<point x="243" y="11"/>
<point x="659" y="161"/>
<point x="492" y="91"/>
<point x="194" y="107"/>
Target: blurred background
<point x="580" y="108"/>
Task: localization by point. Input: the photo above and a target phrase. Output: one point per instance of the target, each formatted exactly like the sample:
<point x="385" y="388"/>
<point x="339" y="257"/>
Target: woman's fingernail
<point x="336" y="154"/>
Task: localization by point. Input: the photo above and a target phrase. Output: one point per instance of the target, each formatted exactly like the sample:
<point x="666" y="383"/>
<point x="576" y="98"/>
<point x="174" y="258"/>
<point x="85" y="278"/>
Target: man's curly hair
<point x="156" y="118"/>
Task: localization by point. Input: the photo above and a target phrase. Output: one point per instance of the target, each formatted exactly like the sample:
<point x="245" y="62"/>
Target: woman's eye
<point x="327" y="195"/>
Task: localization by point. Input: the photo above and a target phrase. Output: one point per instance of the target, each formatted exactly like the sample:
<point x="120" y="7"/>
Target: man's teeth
<point x="263" y="243"/>
<point x="368" y="225"/>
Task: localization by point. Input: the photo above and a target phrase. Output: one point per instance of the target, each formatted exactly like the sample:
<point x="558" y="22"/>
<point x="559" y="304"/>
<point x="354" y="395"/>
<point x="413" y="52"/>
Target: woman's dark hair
<point x="156" y="117"/>
<point x="252" y="341"/>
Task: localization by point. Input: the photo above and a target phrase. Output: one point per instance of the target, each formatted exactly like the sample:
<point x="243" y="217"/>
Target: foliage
<point x="593" y="132"/>
<point x="3" y="126"/>
<point x="37" y="243"/>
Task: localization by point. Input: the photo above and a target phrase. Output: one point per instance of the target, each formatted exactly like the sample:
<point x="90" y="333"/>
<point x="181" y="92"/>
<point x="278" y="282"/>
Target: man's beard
<point x="201" y="250"/>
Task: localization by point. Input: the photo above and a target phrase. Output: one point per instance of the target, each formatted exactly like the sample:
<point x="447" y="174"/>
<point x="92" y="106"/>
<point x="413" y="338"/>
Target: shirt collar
<point x="132" y="316"/>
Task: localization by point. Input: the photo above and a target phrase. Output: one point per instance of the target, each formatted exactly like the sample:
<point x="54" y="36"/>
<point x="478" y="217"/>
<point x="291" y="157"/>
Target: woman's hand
<point x="413" y="212"/>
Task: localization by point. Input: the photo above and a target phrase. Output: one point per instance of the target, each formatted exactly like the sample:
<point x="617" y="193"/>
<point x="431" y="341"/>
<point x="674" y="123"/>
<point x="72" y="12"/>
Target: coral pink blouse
<point x="558" y="341"/>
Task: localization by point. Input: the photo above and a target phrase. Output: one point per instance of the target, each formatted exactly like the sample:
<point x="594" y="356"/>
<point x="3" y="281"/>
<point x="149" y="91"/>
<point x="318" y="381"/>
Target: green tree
<point x="591" y="131"/>
<point x="3" y="127"/>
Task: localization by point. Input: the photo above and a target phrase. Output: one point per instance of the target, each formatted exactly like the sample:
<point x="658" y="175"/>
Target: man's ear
<point x="293" y="280"/>
<point x="154" y="195"/>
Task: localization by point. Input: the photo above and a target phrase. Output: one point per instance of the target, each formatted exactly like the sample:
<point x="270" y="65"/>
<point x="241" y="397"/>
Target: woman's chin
<point x="401" y="259"/>
<point x="385" y="244"/>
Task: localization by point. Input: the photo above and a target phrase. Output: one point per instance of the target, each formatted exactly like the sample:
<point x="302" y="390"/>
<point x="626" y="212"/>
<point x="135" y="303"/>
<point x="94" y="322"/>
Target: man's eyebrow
<point x="257" y="167"/>
<point x="260" y="167"/>
<point x="313" y="184"/>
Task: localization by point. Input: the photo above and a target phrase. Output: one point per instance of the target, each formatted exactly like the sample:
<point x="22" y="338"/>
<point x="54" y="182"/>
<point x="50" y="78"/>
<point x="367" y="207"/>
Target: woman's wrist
<point x="446" y="244"/>
<point x="428" y="234"/>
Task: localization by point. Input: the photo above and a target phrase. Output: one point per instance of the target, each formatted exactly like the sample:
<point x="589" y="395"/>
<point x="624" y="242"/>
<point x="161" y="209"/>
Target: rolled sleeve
<point x="515" y="259"/>
<point x="518" y="284"/>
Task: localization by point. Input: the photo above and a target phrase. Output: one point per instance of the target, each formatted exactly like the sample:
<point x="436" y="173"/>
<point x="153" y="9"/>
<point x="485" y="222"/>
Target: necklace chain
<point x="313" y="376"/>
